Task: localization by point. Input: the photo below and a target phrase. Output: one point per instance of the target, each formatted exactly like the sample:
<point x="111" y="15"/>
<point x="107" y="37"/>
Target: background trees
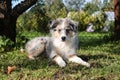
<point x="37" y="17"/>
<point x="74" y="4"/>
<point x="91" y="8"/>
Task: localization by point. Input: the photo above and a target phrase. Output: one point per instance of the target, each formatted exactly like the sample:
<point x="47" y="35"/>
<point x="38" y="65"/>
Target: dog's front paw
<point x="31" y="57"/>
<point x="87" y="65"/>
<point x="78" y="60"/>
<point x="60" y="61"/>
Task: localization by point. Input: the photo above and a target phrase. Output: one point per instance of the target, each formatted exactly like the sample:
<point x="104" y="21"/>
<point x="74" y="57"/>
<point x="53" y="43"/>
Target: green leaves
<point x="5" y="44"/>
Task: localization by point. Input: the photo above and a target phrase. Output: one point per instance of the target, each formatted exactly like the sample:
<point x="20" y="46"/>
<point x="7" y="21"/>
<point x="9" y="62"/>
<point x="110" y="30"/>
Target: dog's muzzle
<point x="63" y="38"/>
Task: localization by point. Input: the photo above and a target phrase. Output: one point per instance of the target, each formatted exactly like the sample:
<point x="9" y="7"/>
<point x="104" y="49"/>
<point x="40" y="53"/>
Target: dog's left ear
<point x="74" y="25"/>
<point x="50" y="22"/>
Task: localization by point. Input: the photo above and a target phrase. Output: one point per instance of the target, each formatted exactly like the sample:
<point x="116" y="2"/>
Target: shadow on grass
<point x="28" y="64"/>
<point x="88" y="42"/>
<point x="94" y="59"/>
<point x="39" y="63"/>
<point x="73" y="68"/>
<point x="114" y="48"/>
<point x="91" y="42"/>
<point x="43" y="63"/>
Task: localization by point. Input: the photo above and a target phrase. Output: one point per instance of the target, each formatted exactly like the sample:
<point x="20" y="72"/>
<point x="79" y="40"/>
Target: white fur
<point x="78" y="60"/>
<point x="65" y="49"/>
<point x="60" y="61"/>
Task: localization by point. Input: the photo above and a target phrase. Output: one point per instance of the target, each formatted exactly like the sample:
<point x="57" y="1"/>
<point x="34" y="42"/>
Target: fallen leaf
<point x="10" y="69"/>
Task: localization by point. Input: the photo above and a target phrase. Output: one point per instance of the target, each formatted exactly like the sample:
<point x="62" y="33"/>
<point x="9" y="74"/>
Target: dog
<point x="62" y="44"/>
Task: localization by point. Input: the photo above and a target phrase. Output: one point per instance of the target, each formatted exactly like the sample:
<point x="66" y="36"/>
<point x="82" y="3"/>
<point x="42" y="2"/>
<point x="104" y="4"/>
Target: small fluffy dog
<point x="61" y="45"/>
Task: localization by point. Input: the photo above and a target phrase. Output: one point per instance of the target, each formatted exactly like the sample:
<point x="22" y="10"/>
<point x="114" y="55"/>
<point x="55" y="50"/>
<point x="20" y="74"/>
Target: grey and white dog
<point x="61" y="45"/>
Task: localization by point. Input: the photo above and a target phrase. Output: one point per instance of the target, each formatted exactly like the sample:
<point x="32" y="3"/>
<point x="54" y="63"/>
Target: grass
<point x="102" y="55"/>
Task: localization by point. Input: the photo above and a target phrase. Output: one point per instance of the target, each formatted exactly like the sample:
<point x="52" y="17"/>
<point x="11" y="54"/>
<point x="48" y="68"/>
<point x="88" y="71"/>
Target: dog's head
<point x="63" y="28"/>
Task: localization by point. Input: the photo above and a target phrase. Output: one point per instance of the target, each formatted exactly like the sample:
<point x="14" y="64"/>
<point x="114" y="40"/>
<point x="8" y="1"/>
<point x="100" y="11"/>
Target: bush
<point x="32" y="22"/>
<point x="5" y="44"/>
<point x="98" y="21"/>
<point x="80" y="17"/>
<point x="84" y="19"/>
<point x="37" y="18"/>
<point x="22" y="37"/>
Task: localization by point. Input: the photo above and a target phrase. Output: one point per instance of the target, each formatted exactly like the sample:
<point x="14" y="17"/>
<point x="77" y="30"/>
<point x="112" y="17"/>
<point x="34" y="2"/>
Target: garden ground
<point x="103" y="55"/>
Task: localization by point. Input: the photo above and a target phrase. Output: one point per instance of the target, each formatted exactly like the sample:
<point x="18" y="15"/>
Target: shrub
<point x="80" y="17"/>
<point x="32" y="22"/>
<point x="98" y="21"/>
<point x="84" y="19"/>
<point x="37" y="18"/>
<point x="5" y="44"/>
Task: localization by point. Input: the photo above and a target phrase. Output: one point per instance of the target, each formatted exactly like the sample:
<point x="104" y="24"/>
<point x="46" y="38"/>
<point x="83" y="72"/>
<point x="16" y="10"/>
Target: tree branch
<point x="22" y="7"/>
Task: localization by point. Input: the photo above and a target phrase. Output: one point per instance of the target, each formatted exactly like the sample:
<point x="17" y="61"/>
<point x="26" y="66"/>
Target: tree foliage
<point x="91" y="8"/>
<point x="74" y="4"/>
<point x="38" y="16"/>
<point x="108" y="5"/>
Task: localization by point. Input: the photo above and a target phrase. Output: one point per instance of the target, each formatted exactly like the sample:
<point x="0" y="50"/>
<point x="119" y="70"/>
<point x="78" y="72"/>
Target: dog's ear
<point x="50" y="21"/>
<point x="73" y="25"/>
<point x="53" y="23"/>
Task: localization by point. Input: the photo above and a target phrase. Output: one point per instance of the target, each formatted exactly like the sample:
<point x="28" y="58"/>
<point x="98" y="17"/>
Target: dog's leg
<point x="78" y="60"/>
<point x="31" y="57"/>
<point x="59" y="61"/>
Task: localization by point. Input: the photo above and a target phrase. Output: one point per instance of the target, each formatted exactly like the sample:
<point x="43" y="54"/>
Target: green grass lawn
<point x="104" y="57"/>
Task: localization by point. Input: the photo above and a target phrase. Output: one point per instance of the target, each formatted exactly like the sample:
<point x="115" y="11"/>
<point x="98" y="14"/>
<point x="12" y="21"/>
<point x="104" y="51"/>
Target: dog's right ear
<point x="53" y="23"/>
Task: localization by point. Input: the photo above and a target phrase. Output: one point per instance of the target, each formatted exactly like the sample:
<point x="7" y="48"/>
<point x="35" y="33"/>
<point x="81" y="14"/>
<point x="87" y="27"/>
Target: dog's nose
<point x="63" y="38"/>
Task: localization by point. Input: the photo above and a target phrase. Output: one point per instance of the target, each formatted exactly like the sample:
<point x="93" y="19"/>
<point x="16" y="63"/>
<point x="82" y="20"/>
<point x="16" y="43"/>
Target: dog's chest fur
<point x="65" y="49"/>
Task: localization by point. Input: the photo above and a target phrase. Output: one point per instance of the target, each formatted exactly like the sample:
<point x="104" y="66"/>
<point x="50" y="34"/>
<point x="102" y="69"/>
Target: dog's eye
<point x="41" y="39"/>
<point x="59" y="30"/>
<point x="67" y="30"/>
<point x="54" y="29"/>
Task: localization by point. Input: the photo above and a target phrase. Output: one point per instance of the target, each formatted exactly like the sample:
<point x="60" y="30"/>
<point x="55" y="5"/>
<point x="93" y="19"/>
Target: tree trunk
<point x="117" y="19"/>
<point x="8" y="28"/>
<point x="8" y="16"/>
<point x="7" y="24"/>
